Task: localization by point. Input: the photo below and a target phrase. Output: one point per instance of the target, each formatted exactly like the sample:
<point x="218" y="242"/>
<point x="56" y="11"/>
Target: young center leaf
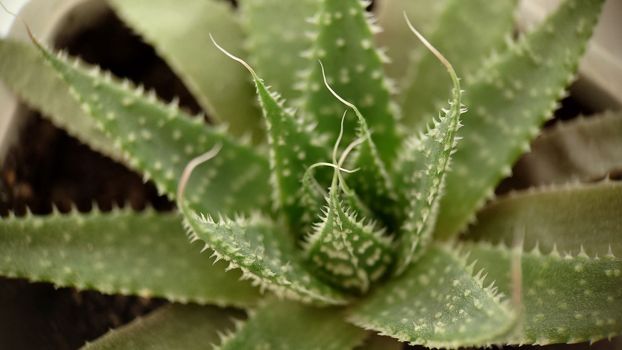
<point x="372" y="183"/>
<point x="293" y="147"/>
<point x="347" y="251"/>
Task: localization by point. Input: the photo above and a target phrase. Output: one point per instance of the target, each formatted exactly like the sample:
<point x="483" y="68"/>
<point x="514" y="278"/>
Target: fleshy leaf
<point x="277" y="37"/>
<point x="424" y="14"/>
<point x="509" y="99"/>
<point x="41" y="88"/>
<point x="438" y="303"/>
<point x="372" y="182"/>
<point x="354" y="69"/>
<point x="160" y="140"/>
<point x="288" y="325"/>
<point x="121" y="252"/>
<point x="170" y="327"/>
<point x="180" y="35"/>
<point x="581" y="149"/>
<point x="293" y="148"/>
<point x="421" y="170"/>
<point x="264" y="252"/>
<point x="571" y="219"/>
<point x="467" y="32"/>
<point x="565" y="299"/>
<point x="348" y="252"/>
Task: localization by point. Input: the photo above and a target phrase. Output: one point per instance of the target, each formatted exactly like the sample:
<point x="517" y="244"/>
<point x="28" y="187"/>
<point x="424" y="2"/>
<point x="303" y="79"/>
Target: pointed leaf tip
<point x="423" y="166"/>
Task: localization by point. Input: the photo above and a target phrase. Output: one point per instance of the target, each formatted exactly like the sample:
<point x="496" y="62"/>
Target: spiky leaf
<point x="293" y="148"/>
<point x="180" y="35"/>
<point x="437" y="302"/>
<point x="41" y="88"/>
<point x="117" y="253"/>
<point x="160" y="140"/>
<point x="509" y="99"/>
<point x="565" y="299"/>
<point x="277" y="36"/>
<point x="347" y="251"/>
<point x="424" y="168"/>
<point x="372" y="181"/>
<point x="264" y="252"/>
<point x="424" y="14"/>
<point x="288" y="325"/>
<point x="461" y="36"/>
<point x="581" y="149"/>
<point x="421" y="171"/>
<point x="173" y="326"/>
<point x="571" y="218"/>
<point x="353" y="66"/>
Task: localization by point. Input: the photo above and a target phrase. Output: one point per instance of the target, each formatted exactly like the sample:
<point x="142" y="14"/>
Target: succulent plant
<point x="339" y="214"/>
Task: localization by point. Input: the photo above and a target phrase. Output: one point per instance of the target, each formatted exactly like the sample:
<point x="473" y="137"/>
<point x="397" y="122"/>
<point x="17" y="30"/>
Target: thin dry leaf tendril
<point x="195" y="162"/>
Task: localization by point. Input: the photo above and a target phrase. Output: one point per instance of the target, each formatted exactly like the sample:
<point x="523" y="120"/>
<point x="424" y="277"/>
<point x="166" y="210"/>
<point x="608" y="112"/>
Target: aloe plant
<point x="350" y="204"/>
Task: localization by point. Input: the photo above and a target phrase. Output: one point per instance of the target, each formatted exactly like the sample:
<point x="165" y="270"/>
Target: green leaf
<point x="288" y="325"/>
<point x="421" y="170"/>
<point x="347" y="252"/>
<point x="424" y="14"/>
<point x="380" y="196"/>
<point x="438" y="303"/>
<point x="345" y="46"/>
<point x="372" y="182"/>
<point x="581" y="149"/>
<point x="293" y="147"/>
<point x="160" y="140"/>
<point x="264" y="252"/>
<point x="565" y="299"/>
<point x="41" y="88"/>
<point x="170" y="327"/>
<point x="277" y="37"/>
<point x="467" y="32"/>
<point x="572" y="219"/>
<point x="509" y="99"/>
<point x="180" y="35"/>
<point x="117" y="253"/>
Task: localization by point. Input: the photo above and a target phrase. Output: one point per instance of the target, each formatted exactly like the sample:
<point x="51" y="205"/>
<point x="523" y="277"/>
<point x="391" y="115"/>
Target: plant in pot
<point x="358" y="211"/>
